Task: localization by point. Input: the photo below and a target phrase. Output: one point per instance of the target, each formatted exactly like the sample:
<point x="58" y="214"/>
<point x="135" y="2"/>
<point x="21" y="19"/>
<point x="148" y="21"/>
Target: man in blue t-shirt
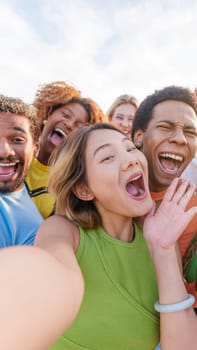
<point x="19" y="133"/>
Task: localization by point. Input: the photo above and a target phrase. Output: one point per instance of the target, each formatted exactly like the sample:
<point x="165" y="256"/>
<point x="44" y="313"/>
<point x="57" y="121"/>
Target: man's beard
<point x="12" y="187"/>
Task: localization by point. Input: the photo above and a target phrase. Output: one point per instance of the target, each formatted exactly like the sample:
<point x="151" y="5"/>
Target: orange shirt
<point x="186" y="237"/>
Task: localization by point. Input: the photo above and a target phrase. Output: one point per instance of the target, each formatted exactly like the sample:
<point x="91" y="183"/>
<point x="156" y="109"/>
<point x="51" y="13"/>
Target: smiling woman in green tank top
<point x="100" y="183"/>
<point x="108" y="275"/>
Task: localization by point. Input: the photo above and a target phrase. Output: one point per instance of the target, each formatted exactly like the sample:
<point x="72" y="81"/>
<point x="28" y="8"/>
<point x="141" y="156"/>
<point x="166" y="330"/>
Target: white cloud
<point x="123" y="47"/>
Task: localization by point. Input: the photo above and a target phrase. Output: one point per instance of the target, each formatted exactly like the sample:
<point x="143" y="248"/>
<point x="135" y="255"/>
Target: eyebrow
<point x="101" y="147"/>
<point x="18" y="128"/>
<point x="188" y="126"/>
<point x="123" y="114"/>
<point x="66" y="108"/>
<point x="71" y="113"/>
<point x="107" y="145"/>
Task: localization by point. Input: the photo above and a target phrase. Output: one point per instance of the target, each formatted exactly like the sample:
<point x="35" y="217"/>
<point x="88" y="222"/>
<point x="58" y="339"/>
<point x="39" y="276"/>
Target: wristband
<point x="181" y="305"/>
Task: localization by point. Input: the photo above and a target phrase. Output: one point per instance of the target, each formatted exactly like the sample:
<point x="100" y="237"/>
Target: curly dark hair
<point x="144" y="112"/>
<point x="95" y="113"/>
<point x="54" y="95"/>
<point x="11" y="105"/>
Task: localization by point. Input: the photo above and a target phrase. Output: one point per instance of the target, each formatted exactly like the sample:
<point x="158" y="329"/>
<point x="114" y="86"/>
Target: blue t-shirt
<point x="19" y="219"/>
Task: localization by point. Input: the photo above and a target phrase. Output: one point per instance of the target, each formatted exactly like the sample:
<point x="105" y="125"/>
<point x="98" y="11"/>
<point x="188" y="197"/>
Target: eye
<point x="190" y="133"/>
<point x="66" y="115"/>
<point x="107" y="158"/>
<point x="18" y="139"/>
<point x="118" y="117"/>
<point x="131" y="148"/>
<point x="164" y="127"/>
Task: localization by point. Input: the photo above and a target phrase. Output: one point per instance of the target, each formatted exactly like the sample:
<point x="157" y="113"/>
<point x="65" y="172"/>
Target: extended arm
<point x="37" y="302"/>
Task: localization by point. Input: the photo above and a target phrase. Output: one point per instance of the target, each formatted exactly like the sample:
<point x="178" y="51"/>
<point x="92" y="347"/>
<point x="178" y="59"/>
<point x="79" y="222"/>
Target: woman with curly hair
<point x="61" y="109"/>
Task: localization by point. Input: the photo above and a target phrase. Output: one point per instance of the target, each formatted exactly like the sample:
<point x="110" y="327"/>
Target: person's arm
<point x="162" y="228"/>
<point x="40" y="297"/>
<point x="60" y="237"/>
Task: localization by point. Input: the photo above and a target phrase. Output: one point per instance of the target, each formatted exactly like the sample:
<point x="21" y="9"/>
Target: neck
<point x="43" y="158"/>
<point x="158" y="196"/>
<point x="155" y="187"/>
<point x="120" y="229"/>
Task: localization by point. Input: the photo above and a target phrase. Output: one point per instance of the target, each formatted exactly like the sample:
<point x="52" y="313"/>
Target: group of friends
<point x="98" y="221"/>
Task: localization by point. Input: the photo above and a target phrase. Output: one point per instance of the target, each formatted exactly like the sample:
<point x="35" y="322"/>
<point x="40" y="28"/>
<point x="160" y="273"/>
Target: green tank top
<point x="117" y="312"/>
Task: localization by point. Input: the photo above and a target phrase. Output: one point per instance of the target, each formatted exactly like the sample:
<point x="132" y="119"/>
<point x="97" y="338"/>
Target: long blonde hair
<point x="120" y="100"/>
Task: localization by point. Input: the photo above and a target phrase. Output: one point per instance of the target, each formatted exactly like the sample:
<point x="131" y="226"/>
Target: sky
<point x="103" y="47"/>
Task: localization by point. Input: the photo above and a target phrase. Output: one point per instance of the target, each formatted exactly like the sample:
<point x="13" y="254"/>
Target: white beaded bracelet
<point x="181" y="305"/>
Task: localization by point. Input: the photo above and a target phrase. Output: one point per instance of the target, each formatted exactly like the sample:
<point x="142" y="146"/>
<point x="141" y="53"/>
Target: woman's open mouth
<point x="135" y="186"/>
<point x="57" y="136"/>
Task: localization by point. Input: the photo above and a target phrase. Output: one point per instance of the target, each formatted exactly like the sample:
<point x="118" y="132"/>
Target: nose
<point x="70" y="124"/>
<point x="126" y="123"/>
<point x="129" y="162"/>
<point x="5" y="149"/>
<point x="178" y="136"/>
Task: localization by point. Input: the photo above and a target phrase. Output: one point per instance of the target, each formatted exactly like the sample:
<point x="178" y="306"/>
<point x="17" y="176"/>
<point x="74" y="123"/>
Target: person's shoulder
<point x="59" y="228"/>
<point x="15" y="196"/>
<point x="37" y="167"/>
<point x="59" y="220"/>
<point x="158" y="196"/>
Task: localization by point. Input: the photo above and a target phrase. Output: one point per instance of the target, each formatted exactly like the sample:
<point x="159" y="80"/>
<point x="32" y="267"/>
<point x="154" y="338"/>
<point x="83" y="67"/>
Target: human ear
<point x="36" y="148"/>
<point x="43" y="124"/>
<point x="83" y="192"/>
<point x="109" y="117"/>
<point x="138" y="138"/>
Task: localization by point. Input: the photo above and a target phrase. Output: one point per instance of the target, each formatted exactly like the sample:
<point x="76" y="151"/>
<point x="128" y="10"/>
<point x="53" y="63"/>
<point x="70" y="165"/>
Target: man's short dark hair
<point x="11" y="105"/>
<point x="144" y="112"/>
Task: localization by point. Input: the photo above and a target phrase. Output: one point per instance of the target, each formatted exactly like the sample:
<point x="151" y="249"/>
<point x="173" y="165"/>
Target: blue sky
<point x="105" y="48"/>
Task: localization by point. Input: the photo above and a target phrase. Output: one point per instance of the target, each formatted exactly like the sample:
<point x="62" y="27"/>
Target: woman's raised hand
<point x="164" y="225"/>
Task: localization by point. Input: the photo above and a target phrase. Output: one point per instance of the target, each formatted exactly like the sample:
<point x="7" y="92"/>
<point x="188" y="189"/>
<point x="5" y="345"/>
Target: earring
<point x="138" y="144"/>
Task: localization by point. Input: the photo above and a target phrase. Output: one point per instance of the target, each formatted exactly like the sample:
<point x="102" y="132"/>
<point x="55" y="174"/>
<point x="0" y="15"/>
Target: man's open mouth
<point x="135" y="187"/>
<point x="170" y="162"/>
<point x="8" y="169"/>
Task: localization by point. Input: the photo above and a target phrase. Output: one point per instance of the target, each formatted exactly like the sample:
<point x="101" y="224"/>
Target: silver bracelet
<point x="181" y="305"/>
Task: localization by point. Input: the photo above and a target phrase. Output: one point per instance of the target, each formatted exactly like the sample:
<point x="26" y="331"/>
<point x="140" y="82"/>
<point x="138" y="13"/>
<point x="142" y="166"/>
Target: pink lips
<point x="7" y="171"/>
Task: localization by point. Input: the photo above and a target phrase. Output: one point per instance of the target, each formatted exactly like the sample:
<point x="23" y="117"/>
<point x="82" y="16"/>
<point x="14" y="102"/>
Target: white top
<point x="191" y="171"/>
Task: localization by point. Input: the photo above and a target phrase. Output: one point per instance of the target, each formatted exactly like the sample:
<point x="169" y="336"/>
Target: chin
<point x="146" y="207"/>
<point x="8" y="189"/>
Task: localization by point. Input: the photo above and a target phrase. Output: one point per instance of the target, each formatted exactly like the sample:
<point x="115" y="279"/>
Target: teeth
<point x="136" y="178"/>
<point x="60" y="131"/>
<point x="172" y="156"/>
<point x="141" y="191"/>
<point x="8" y="164"/>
